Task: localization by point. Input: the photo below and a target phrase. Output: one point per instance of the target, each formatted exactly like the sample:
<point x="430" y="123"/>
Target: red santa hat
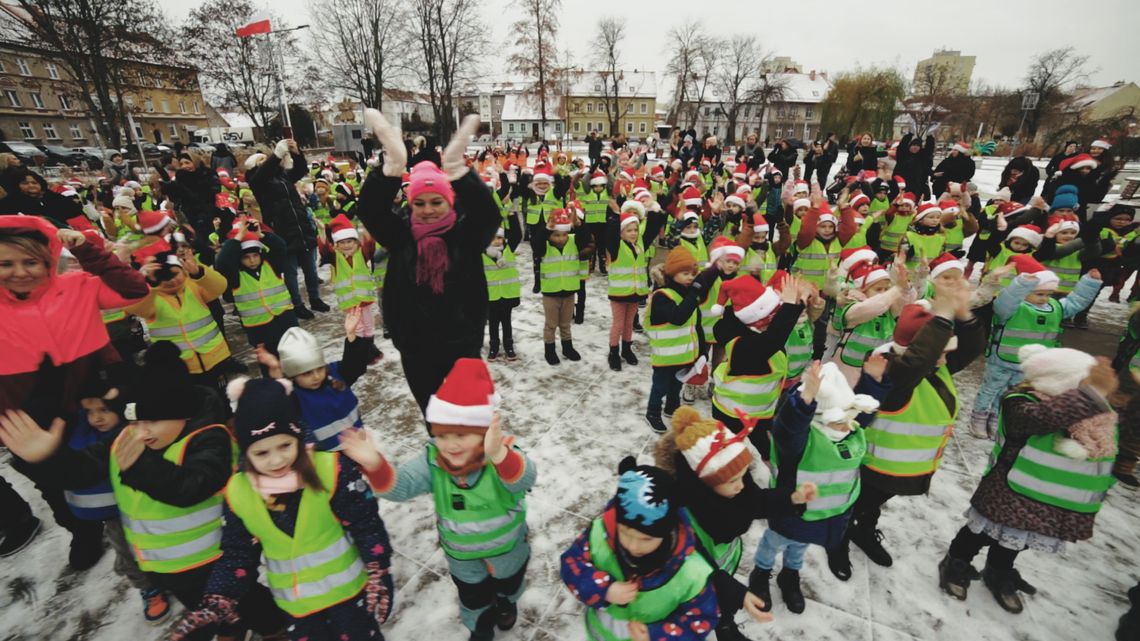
<point x="1065" y="222"/>
<point x="406" y="179"/>
<point x="902" y="184"/>
<point x="1026" y="264"/>
<point x="800" y="202"/>
<point x="693" y="177"/>
<point x="723" y="246"/>
<point x="542" y="174"/>
<point x="825" y="215"/>
<point x="639" y="194"/>
<point x="866" y="274"/>
<point x="868" y="175"/>
<point x="740" y="172"/>
<point x="562" y="220"/>
<point x="1029" y="233"/>
<point x="949" y="207"/>
<point x="342" y="228"/>
<point x="624" y="174"/>
<point x="1011" y="207"/>
<point x="736" y="199"/>
<point x="657" y="173"/>
<point x="908" y="198"/>
<point x="945" y="263"/>
<point x="705" y="162"/>
<point x="912" y="319"/>
<point x="852" y="256"/>
<point x="634" y="207"/>
<point x="1101" y="143"/>
<point x="575" y="208"/>
<point x="153" y="222"/>
<point x="628" y="217"/>
<point x="800" y="187"/>
<point x="1080" y="161"/>
<point x="759" y="223"/>
<point x="466" y="398"/>
<point x="928" y="209"/>
<point x="961" y="147"/>
<point x="858" y="200"/>
<point x="752" y="302"/>
<point x="691" y="197"/>
<point x="598" y="178"/>
<point x="250" y="241"/>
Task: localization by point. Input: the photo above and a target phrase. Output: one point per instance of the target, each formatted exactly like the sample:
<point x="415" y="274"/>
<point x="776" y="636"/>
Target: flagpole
<point x="279" y="72"/>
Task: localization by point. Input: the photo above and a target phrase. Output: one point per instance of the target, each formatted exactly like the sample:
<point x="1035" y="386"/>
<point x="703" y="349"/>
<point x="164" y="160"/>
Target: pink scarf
<point x="267" y="486"/>
<point x="431" y="251"/>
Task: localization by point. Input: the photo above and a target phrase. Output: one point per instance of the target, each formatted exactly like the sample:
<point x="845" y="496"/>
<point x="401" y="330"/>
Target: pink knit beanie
<point x="427" y="178"/>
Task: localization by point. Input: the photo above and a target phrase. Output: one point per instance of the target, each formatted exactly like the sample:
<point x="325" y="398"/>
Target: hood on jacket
<point x="39" y="225"/>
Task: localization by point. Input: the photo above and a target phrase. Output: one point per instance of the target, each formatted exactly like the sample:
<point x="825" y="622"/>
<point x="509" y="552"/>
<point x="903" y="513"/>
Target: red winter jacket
<point x="53" y="336"/>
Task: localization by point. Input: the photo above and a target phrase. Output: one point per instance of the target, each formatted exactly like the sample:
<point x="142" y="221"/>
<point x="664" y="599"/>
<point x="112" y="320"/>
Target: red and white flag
<point x="259" y="23"/>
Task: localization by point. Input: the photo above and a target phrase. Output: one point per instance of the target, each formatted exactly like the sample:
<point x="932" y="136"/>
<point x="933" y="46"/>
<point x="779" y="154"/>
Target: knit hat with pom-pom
<point x="264" y="409"/>
<point x="679" y="260"/>
<point x="646" y="500"/>
<point x="1054" y="370"/>
<point x="712" y="452"/>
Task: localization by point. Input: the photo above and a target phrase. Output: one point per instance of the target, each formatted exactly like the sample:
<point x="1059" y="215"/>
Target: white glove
<point x="282" y="149"/>
<point x="454" y="164"/>
<point x="395" y="154"/>
<point x="91" y="213"/>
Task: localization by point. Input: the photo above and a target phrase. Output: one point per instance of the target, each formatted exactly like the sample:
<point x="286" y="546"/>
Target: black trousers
<point x="477" y="596"/>
<point x="500" y="316"/>
<point x="598" y="235"/>
<point x="869" y="507"/>
<point x="967" y="544"/>
<point x="14" y="509"/>
<point x="580" y="303"/>
<point x="257" y="609"/>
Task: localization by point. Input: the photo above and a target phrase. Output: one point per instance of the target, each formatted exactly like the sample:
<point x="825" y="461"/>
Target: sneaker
<point x="1081" y="323"/>
<point x="510" y="354"/>
<point x="871" y="542"/>
<point x="688" y="394"/>
<point x="655" y="422"/>
<point x="303" y="312"/>
<point x="1114" y="297"/>
<point x="493" y="354"/>
<point x="318" y="305"/>
<point x="156" y="607"/>
<point x="19" y="536"/>
<point x="992" y="426"/>
<point x="506" y="614"/>
<point x="1127" y="479"/>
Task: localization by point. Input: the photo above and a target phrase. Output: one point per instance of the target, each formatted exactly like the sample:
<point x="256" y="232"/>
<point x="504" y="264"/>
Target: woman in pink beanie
<point x="435" y="291"/>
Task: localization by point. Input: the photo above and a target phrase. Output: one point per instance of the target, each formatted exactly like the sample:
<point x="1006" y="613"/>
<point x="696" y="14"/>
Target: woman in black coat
<point x="957" y="167"/>
<point x="435" y="293"/>
<point x="783" y="157"/>
<point x="1021" y="177"/>
<point x="863" y="155"/>
<point x="913" y="162"/>
<point x="193" y="189"/>
<point x="30" y="196"/>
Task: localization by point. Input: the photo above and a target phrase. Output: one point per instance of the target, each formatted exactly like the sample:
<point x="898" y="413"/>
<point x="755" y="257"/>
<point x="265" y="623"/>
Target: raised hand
<point x="452" y="159"/>
<point x="129" y="448"/>
<point x="71" y="238"/>
<point x="395" y="154"/>
<point x="27" y="440"/>
<point x="875" y="365"/>
<point x="495" y="445"/>
<point x="811" y="381"/>
<point x="638" y="631"/>
<point x="352" y="321"/>
<point x="356" y="445"/>
<point x="1102" y="377"/>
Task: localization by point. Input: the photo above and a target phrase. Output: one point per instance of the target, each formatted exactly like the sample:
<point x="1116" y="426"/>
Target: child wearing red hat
<point x="353" y="278"/>
<point x="725" y="255"/>
<point x="539" y="198"/>
<point x="598" y="203"/>
<point x="766" y="247"/>
<point x="478" y="481"/>
<point x="861" y="326"/>
<point x="627" y="243"/>
<point x="925" y="239"/>
<point x="562" y="249"/>
<point x="895" y="223"/>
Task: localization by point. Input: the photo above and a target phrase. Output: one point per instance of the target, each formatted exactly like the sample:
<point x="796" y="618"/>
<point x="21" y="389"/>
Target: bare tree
<point x="364" y="41"/>
<point x="733" y="79"/>
<point x="932" y="91"/>
<point x="95" y="40"/>
<point x="689" y="48"/>
<point x="536" y="50"/>
<point x="450" y="37"/>
<point x="769" y="89"/>
<point x="607" y="56"/>
<point x="1048" y="75"/>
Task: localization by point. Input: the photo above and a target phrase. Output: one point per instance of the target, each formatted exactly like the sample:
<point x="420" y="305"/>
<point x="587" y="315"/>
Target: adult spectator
<point x="1054" y="167"/>
<point x="783" y="157"/>
<point x="193" y="190"/>
<point x="117" y="170"/>
<point x="863" y="155"/>
<point x="956" y="167"/>
<point x="1020" y="176"/>
<point x="223" y="158"/>
<point x="31" y="196"/>
<point x="710" y="150"/>
<point x="593" y="148"/>
<point x="913" y="163"/>
<point x="425" y="150"/>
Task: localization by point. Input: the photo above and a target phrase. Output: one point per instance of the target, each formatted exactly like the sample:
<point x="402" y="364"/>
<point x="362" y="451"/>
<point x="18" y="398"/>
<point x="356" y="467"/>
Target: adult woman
<point x="1054" y="165"/>
<point x="435" y="291"/>
<point x="32" y="197"/>
<point x="956" y="167"/>
<point x="53" y="339"/>
<point x="862" y="154"/>
<point x="783" y="156"/>
<point x="193" y="188"/>
<point x="1021" y="177"/>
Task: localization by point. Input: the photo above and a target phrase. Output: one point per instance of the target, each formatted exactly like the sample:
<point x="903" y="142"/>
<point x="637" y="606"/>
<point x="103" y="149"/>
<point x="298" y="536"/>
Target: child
<point x="1060" y="251"/>
<point x="712" y="481"/>
<point x="503" y="287"/>
<point x="1022" y="240"/>
<point x="925" y="240"/>
<point x="898" y="218"/>
<point x="819" y="243"/>
<point x="478" y="482"/>
<point x="538" y="202"/>
<point x="1024" y="312"/>
<point x="764" y="253"/>
<point x="628" y="280"/>
<point x="1049" y="472"/>
<point x="865" y="325"/>
<point x="818" y="440"/>
<point x="597" y="203"/>
<point x="353" y="280"/>
<point x="688" y="228"/>
<point x="322" y="391"/>
<point x="672" y="323"/>
<point x="1127" y="364"/>
<point x="636" y="567"/>
<point x="311" y="516"/>
<point x="725" y="256"/>
<point x="560" y="248"/>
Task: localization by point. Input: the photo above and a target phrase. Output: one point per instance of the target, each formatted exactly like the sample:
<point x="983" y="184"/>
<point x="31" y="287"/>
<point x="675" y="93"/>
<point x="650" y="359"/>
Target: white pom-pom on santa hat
<point x="342" y="228"/>
<point x="466" y="397"/>
<point x="752" y="302"/>
<point x="1054" y="370"/>
<point x="634" y="206"/>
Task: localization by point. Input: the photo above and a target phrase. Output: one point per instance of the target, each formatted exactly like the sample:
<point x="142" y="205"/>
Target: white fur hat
<point x="299" y="352"/>
<point x="835" y="402"/>
<point x="1054" y="370"/>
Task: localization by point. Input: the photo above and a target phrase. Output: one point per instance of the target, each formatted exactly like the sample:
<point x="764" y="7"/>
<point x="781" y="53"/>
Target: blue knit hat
<point x="1065" y="198"/>
<point x="645" y="500"/>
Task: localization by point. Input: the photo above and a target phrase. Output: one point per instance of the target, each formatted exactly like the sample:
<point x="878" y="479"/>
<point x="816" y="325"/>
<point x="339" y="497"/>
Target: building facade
<point x="796" y="116"/>
<point x="959" y="70"/>
<point x="589" y="104"/>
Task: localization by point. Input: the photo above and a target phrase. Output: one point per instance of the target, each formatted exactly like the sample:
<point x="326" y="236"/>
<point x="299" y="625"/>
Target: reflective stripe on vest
<point x="727" y="554"/>
<point x="910" y="441"/>
<point x="502" y="282"/>
<point x="861" y="340"/>
<point x="799" y="348"/>
<point x="259" y="301"/>
<point x="697" y="248"/>
<point x="1068" y="269"/>
<point x="559" y="268"/>
<point x="595" y="205"/>
<point x="167" y="539"/>
<point x="891" y="236"/>
<point x="354" y="284"/>
<point x="478" y="522"/>
<point x="833" y="467"/>
<point x="627" y="274"/>
<point x="318" y="566"/>
<point x="755" y="395"/>
<point x="670" y="344"/>
<point x="815" y="260"/>
<point x="955" y="237"/>
<point x="112" y="315"/>
<point x="536" y="213"/>
<point x="708" y="320"/>
<point x="326" y="432"/>
<point x="90" y="501"/>
<point x="923" y="246"/>
<point x="764" y="265"/>
<point x="191" y="327"/>
<point x="1027" y="325"/>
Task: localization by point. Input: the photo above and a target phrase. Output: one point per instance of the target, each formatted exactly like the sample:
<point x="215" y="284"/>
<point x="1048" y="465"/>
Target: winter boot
<point x="637" y="324"/>
<point x="19" y="535"/>
<point x="374" y="353"/>
<point x="506" y="613"/>
<point x="758" y="581"/>
<point x="728" y="631"/>
<point x="667" y="412"/>
<point x="789" y="582"/>
<point x="615" y="359"/>
<point x="86" y="550"/>
<point x="689" y="394"/>
<point x="954" y="576"/>
<point x="992" y="426"/>
<point x="979" y="423"/>
<point x="551" y="356"/>
<point x="156" y="607"/>
<point x="1004" y="585"/>
<point x="493" y="352"/>
<point x="839" y="561"/>
<point x="871" y="542"/>
<point x="302" y="312"/>
<point x="318" y="305"/>
<point x="1127" y="479"/>
<point x="569" y="352"/>
<point x="653" y="417"/>
<point x="627" y="352"/>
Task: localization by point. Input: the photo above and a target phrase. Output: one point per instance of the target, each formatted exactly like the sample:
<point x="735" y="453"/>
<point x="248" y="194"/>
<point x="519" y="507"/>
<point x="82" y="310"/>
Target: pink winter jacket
<point x="49" y="341"/>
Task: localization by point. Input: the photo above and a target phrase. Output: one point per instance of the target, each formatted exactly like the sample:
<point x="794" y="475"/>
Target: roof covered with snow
<point x="631" y="84"/>
<point x="523" y="107"/>
<point x="1086" y="97"/>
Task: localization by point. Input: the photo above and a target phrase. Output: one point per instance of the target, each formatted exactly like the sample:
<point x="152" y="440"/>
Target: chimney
<point x="812" y="74"/>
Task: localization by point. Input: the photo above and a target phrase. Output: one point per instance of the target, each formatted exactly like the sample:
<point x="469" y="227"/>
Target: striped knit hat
<point x="712" y="452"/>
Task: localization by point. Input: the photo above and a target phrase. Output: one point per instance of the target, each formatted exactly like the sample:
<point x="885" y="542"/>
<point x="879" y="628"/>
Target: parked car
<point x="25" y="151"/>
<point x="103" y="153"/>
<point x="150" y="150"/>
<point x="202" y="146"/>
<point x="60" y="155"/>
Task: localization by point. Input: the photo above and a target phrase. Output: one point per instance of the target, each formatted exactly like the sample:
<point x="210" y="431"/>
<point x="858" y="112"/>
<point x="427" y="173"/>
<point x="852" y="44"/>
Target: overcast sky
<point x="835" y="36"/>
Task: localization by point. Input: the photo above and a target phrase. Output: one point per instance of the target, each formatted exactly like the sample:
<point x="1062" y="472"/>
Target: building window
<point x="576" y="128"/>
<point x="142" y="78"/>
<point x="196" y="109"/>
<point x="628" y="127"/>
<point x="148" y="104"/>
<point x="574" y="107"/>
<point x="641" y="127"/>
<point x="13" y="97"/>
<point x="26" y="130"/>
<point x="746" y="108"/>
<point x="808" y="112"/>
<point x="22" y="65"/>
<point x="558" y="127"/>
<point x="629" y="107"/>
<point x="53" y="71"/>
<point x="173" y="130"/>
<point x="597" y="87"/>
<point x="511" y="127"/>
<point x="138" y="132"/>
<point x="64" y="102"/>
<point x="76" y="132"/>
<point x="37" y="100"/>
<point x="165" y="106"/>
<point x="49" y="132"/>
<point x="181" y="106"/>
<point x="708" y="111"/>
<point x="645" y="107"/>
<point x="791" y="111"/>
<point x="589" y="107"/>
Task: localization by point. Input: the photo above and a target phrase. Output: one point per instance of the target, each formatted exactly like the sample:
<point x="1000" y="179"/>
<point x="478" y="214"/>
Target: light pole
<point x="278" y="60"/>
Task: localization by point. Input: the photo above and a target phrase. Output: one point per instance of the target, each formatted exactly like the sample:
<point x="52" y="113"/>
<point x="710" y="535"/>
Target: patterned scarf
<point x="431" y="251"/>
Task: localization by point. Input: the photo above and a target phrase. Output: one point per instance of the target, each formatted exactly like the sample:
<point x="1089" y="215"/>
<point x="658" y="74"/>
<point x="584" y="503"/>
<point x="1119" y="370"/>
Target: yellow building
<point x="589" y="104"/>
<point x="959" y="70"/>
<point x="1102" y="103"/>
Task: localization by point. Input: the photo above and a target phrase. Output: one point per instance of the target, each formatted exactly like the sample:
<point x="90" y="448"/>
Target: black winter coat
<point x="868" y="158"/>
<point x="915" y="168"/>
<point x="418" y="319"/>
<point x="954" y="169"/>
<point x="193" y="192"/>
<point x="281" y="205"/>
<point x="1021" y="190"/>
<point x="783" y="159"/>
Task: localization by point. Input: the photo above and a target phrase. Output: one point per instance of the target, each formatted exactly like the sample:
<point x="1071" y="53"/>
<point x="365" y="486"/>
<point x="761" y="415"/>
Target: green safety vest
<point x="727" y="554"/>
<point x="799" y="348"/>
<point x="708" y="321"/>
<point x="559" y="269"/>
<point x="627" y="274"/>
<point x="1040" y="473"/>
<point x="990" y="212"/>
<point x="354" y="284"/>
<point x="191" y="328"/>
<point x="504" y="210"/>
<point x="833" y="467"/>
<point x="815" y="260"/>
<point x="259" y="301"/>
<point x="893" y="234"/>
<point x="112" y="315"/>
<point x="955" y="237"/>
<point x="670" y="344"/>
<point x="611" y="623"/>
<point x="1000" y="259"/>
<point x="1118" y="240"/>
<point x="698" y="249"/>
<point x="858" y="342"/>
<point x="596" y="205"/>
<point x="910" y="441"/>
<point x="708" y="180"/>
<point x="323" y="213"/>
<point x="1027" y="325"/>
<point x="319" y="566"/>
<point x="167" y="539"/>
<point x="923" y="246"/>
<point x="536" y="213"/>
<point x="1068" y="269"/>
<point x="755" y="395"/>
<point x="766" y="262"/>
<point x="476" y="522"/>
<point x="502" y="282"/>
<point x="878" y="205"/>
<point x="860" y="237"/>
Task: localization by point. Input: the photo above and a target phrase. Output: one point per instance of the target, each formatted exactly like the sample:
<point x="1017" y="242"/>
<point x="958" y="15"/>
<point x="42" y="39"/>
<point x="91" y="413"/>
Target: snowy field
<point x="576" y="421"/>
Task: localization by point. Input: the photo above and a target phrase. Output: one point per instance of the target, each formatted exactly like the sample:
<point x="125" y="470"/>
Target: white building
<point x="797" y="116"/>
<point x="522" y="118"/>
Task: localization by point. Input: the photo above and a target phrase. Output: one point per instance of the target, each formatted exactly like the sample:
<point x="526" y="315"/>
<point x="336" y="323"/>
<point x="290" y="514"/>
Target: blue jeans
<point x="998" y="377"/>
<point x="772" y="544"/>
<point x="306" y="260"/>
<point x="665" y="386"/>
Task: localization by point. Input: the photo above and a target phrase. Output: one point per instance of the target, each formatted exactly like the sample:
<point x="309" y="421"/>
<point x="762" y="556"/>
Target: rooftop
<point x="631" y="84"/>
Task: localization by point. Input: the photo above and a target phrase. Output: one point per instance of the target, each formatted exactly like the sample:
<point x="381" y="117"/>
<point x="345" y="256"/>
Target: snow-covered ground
<point x="576" y="421"/>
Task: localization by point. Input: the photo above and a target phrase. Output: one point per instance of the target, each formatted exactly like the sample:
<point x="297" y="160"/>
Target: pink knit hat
<point x="427" y="178"/>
